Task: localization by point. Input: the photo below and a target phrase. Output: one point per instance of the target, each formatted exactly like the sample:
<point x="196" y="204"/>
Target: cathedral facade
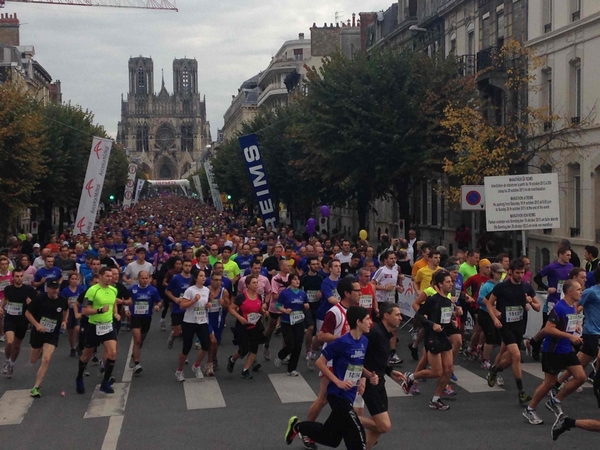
<point x="164" y="132"/>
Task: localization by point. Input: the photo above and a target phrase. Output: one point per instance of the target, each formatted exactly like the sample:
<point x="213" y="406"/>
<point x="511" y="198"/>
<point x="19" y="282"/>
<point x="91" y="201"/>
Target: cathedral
<point x="165" y="132"/>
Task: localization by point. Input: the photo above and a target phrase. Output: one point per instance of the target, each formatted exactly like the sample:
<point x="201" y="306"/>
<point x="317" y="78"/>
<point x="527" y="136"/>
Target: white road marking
<point x="471" y="382"/>
<point x="127" y="372"/>
<point x="203" y="394"/>
<point x="394" y="389"/>
<point x="292" y="389"/>
<point x="107" y="405"/>
<point x="14" y="405"/>
<point x="111" y="438"/>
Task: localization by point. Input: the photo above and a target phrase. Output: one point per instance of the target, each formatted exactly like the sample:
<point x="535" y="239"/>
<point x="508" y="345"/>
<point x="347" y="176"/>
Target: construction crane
<point x="168" y="5"/>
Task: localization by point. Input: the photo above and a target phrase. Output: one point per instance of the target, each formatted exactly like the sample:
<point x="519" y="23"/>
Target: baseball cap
<point x="484" y="262"/>
<point x="52" y="284"/>
<point x="36" y="245"/>
<point x="497" y="267"/>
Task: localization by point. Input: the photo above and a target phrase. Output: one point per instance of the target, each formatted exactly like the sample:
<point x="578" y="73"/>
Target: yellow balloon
<point x="363" y="235"/>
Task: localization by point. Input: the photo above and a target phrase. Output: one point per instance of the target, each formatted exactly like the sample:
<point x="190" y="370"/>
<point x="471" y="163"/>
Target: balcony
<point x="467" y="65"/>
<point x="491" y="58"/>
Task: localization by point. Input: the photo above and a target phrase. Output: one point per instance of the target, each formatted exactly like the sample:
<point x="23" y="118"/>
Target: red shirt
<point x="475" y="282"/>
<point x="367" y="297"/>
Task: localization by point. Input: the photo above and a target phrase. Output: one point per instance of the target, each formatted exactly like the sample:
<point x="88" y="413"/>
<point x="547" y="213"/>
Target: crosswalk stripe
<point x="471" y="382"/>
<point x="292" y="389"/>
<point x="535" y="369"/>
<point x="107" y="405"/>
<point x="14" y="405"/>
<point x="394" y="389"/>
<point x="203" y="394"/>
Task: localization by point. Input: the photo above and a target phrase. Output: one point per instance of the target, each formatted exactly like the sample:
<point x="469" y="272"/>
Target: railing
<point x="576" y="16"/>
<point x="490" y="57"/>
<point x="547" y="28"/>
<point x="467" y="65"/>
<point x="575" y="232"/>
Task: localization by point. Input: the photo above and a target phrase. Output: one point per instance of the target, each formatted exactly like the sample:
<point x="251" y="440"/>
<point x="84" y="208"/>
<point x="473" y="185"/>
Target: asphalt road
<point x="153" y="410"/>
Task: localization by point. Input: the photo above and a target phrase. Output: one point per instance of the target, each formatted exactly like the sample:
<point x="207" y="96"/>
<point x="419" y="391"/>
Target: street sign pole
<point x="473" y="224"/>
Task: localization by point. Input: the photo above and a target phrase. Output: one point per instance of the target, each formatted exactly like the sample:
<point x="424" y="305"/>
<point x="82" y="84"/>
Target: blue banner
<point x="258" y="178"/>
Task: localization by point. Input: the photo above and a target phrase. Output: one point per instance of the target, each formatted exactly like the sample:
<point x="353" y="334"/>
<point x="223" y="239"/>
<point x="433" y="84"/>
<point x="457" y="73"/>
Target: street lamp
<point x="418" y="29"/>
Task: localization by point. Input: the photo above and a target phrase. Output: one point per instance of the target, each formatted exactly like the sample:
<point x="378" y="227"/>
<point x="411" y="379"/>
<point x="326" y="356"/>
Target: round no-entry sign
<point x="473" y="198"/>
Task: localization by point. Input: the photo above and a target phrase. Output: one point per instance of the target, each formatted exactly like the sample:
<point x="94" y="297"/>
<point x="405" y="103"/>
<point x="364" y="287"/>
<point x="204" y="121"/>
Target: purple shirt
<point x="556" y="274"/>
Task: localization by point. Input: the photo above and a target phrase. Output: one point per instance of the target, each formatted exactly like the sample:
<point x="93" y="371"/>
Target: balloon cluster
<point x="312" y="223"/>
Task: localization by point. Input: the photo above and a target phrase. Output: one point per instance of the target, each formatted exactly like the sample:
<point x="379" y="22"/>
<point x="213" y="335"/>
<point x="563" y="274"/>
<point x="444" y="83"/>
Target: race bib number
<point x="72" y="301"/>
<point x="391" y="296"/>
<point x="103" y="328"/>
<point x="446" y="315"/>
<point x="296" y="317"/>
<point x="253" y="318"/>
<point x="4" y="284"/>
<point x="366" y="301"/>
<point x="65" y="275"/>
<point x="514" y="314"/>
<point x="550" y="306"/>
<point x="353" y="373"/>
<point x="48" y="324"/>
<point x="559" y="287"/>
<point x="216" y="307"/>
<point x="14" y="309"/>
<point x="200" y="314"/>
<point x="574" y="323"/>
<point x="312" y="296"/>
<point x="141" y="308"/>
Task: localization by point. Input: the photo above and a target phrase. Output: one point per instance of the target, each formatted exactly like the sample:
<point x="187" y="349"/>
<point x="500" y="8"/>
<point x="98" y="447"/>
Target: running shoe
<point x="267" y="354"/>
<point x="591" y="376"/>
<point x="5" y="367"/>
<point x="439" y="405"/>
<point x="395" y="359"/>
<point x="255" y="366"/>
<point x="101" y="369"/>
<point x="448" y="391"/>
<point x="170" y="342"/>
<point x="491" y="378"/>
<point x="499" y="380"/>
<point x="532" y="416"/>
<point x="414" y="389"/>
<point x="486" y="365"/>
<point x="528" y="347"/>
<point x="524" y="398"/>
<point x="278" y="330"/>
<point x="453" y="378"/>
<point x="535" y="350"/>
<point x="472" y="355"/>
<point x="35" y="392"/>
<point x="2" y="338"/>
<point x="407" y="383"/>
<point x="73" y="353"/>
<point x="179" y="376"/>
<point x="209" y="370"/>
<point x="277" y="362"/>
<point x="112" y="380"/>
<point x="131" y="363"/>
<point x="79" y="352"/>
<point x="555" y="407"/>
<point x="308" y="443"/>
<point x="230" y="364"/>
<point x="197" y="345"/>
<point x="293" y="373"/>
<point x="79" y="386"/>
<point x="246" y="374"/>
<point x="290" y="432"/>
<point x="163" y="326"/>
<point x="198" y="371"/>
<point x="106" y="388"/>
<point x="414" y="352"/>
<point x="579" y="390"/>
<point x="9" y="371"/>
<point x="137" y="369"/>
<point x="286" y="360"/>
<point x="559" y="427"/>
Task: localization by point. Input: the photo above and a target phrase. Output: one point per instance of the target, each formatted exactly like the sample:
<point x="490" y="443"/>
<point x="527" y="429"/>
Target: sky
<point x="88" y="49"/>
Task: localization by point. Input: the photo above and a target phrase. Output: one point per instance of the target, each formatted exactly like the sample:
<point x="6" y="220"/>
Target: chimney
<point x="300" y="36"/>
<point x="9" y="30"/>
<point x="353" y="19"/>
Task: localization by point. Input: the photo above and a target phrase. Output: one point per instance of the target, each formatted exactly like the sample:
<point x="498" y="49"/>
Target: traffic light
<point x="228" y="197"/>
<point x="112" y="198"/>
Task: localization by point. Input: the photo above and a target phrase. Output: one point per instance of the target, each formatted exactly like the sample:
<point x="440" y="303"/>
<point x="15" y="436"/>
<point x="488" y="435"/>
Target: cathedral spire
<point x="163" y="79"/>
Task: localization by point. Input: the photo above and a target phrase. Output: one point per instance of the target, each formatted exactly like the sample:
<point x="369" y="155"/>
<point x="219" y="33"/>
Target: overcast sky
<point x="88" y="48"/>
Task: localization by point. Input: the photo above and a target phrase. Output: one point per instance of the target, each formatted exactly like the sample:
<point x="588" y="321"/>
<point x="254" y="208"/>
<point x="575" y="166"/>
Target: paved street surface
<point x="152" y="410"/>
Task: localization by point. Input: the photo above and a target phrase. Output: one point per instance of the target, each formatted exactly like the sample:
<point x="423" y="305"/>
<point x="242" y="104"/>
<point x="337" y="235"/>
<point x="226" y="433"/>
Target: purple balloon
<point x="312" y="222"/>
<point x="325" y="211"/>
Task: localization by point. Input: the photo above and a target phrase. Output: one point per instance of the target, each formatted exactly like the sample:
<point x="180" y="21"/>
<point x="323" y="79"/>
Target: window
<point x="141" y="138"/>
<point x="547" y="15"/>
<point x="485" y="30"/>
<point x="576" y="90"/>
<point x="452" y="44"/>
<point x="547" y="100"/>
<point x="298" y="54"/>
<point x="471" y="40"/>
<point x="575" y="10"/>
<point x="141" y="80"/>
<point x="187" y="138"/>
<point x="185" y="80"/>
<point x="575" y="185"/>
<point x="500" y="28"/>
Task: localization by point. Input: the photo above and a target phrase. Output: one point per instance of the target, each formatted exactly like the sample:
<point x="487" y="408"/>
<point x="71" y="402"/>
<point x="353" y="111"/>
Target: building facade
<point x="165" y="131"/>
<point x="243" y="108"/>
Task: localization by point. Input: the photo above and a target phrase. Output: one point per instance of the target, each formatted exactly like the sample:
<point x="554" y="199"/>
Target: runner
<point x="175" y="290"/>
<point x="48" y="314"/>
<point x="367" y="293"/>
<point x="72" y="293"/>
<point x="6" y="279"/>
<point x="133" y="269"/>
<point x="278" y="284"/>
<point x="46" y="273"/>
<point x="564" y="423"/>
<point x="219" y="298"/>
<point x="490" y="332"/>
<point x="472" y="286"/>
<point x="311" y="283"/>
<point x="424" y="275"/>
<point x="507" y="305"/>
<point x="345" y="380"/>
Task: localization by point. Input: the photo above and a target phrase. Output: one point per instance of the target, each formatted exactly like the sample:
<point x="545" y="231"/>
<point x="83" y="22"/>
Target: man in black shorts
<point x="16" y="298"/>
<point x="507" y="306"/>
<point x="311" y="284"/>
<point x="48" y="313"/>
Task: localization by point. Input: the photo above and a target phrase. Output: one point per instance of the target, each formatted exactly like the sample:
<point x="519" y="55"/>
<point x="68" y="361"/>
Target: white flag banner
<point x="138" y="190"/>
<point x="128" y="195"/>
<point x="92" y="186"/>
<point x="198" y="185"/>
<point x="214" y="189"/>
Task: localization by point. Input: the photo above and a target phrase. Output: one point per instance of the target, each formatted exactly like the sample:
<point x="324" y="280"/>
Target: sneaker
<point x="535" y="351"/>
<point x="528" y="349"/>
<point x="163" y="326"/>
<point x="286" y="360"/>
<point x="198" y="371"/>
<point x="407" y="383"/>
<point x="591" y="376"/>
<point x="246" y="374"/>
<point x="277" y="362"/>
<point x="448" y="391"/>
<point x="414" y="352"/>
<point x="310" y="360"/>
<point x="170" y="342"/>
<point x="179" y="375"/>
<point x="472" y="355"/>
<point x="209" y="370"/>
<point x="5" y="367"/>
<point x="79" y="386"/>
<point x="532" y="416"/>
<point x="197" y="345"/>
<point x="9" y="371"/>
<point x="266" y="354"/>
<point x="559" y="427"/>
<point x="499" y="380"/>
<point x="255" y="366"/>
<point x="439" y="405"/>
<point x="278" y="330"/>
<point x="524" y="398"/>
<point x="491" y="378"/>
<point x="453" y="378"/>
<point x="186" y="362"/>
<point x="131" y="363"/>
<point x="308" y="443"/>
<point x="106" y="388"/>
<point x="395" y="359"/>
<point x="230" y="364"/>
<point x="137" y="369"/>
<point x="216" y="364"/>
<point x="35" y="392"/>
<point x="414" y="389"/>
<point x="556" y="408"/>
<point x="112" y="380"/>
<point x="579" y="390"/>
<point x="290" y="432"/>
<point x="486" y="365"/>
<point x="293" y="373"/>
<point x="101" y="369"/>
<point x="2" y="338"/>
<point x="73" y="353"/>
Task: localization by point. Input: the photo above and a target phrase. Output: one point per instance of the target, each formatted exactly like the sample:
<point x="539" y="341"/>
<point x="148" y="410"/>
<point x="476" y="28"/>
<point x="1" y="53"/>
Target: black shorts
<point x="375" y="397"/>
<point x="93" y="340"/>
<point x="451" y="330"/>
<point x="142" y="322"/>
<point x="491" y="333"/>
<point x="437" y="343"/>
<point x="554" y="363"/>
<point x="177" y="319"/>
<point x="37" y="339"/>
<point x="72" y="322"/>
<point x="591" y="344"/>
<point x="16" y="324"/>
<point x="195" y="329"/>
<point x="310" y="318"/>
<point x="512" y="334"/>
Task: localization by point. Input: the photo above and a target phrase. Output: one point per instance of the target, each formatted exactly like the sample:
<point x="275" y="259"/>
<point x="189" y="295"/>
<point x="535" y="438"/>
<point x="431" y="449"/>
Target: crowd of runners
<point x="332" y="301"/>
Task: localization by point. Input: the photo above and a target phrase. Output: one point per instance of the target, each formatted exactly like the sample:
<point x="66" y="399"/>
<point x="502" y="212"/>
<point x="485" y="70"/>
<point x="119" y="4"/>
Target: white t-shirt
<point x="197" y="313"/>
<point x="385" y="276"/>
<point x="133" y="270"/>
<point x="344" y="258"/>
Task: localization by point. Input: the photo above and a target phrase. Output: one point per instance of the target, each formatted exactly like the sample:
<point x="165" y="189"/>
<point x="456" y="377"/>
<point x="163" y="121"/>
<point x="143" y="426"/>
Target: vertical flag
<point x="198" y="185"/>
<point x="138" y="190"/>
<point x="92" y="186"/>
<point x="214" y="189"/>
<point x="128" y="195"/>
<point x="258" y="178"/>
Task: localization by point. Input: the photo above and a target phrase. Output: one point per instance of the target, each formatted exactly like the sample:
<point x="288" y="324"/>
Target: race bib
<point x="574" y="323"/>
<point x="65" y="275"/>
<point x="296" y="317"/>
<point x="103" y="328"/>
<point x="253" y="318"/>
<point x="391" y="296"/>
<point x="14" y="309"/>
<point x="27" y="279"/>
<point x="141" y="308"/>
<point x="550" y="306"/>
<point x="446" y="315"/>
<point x="514" y="314"/>
<point x="353" y="373"/>
<point x="119" y="255"/>
<point x="312" y="296"/>
<point x="216" y="307"/>
<point x="559" y="287"/>
<point x="200" y="314"/>
<point x="48" y="324"/>
<point x="72" y="301"/>
<point x="366" y="301"/>
<point x="4" y="284"/>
